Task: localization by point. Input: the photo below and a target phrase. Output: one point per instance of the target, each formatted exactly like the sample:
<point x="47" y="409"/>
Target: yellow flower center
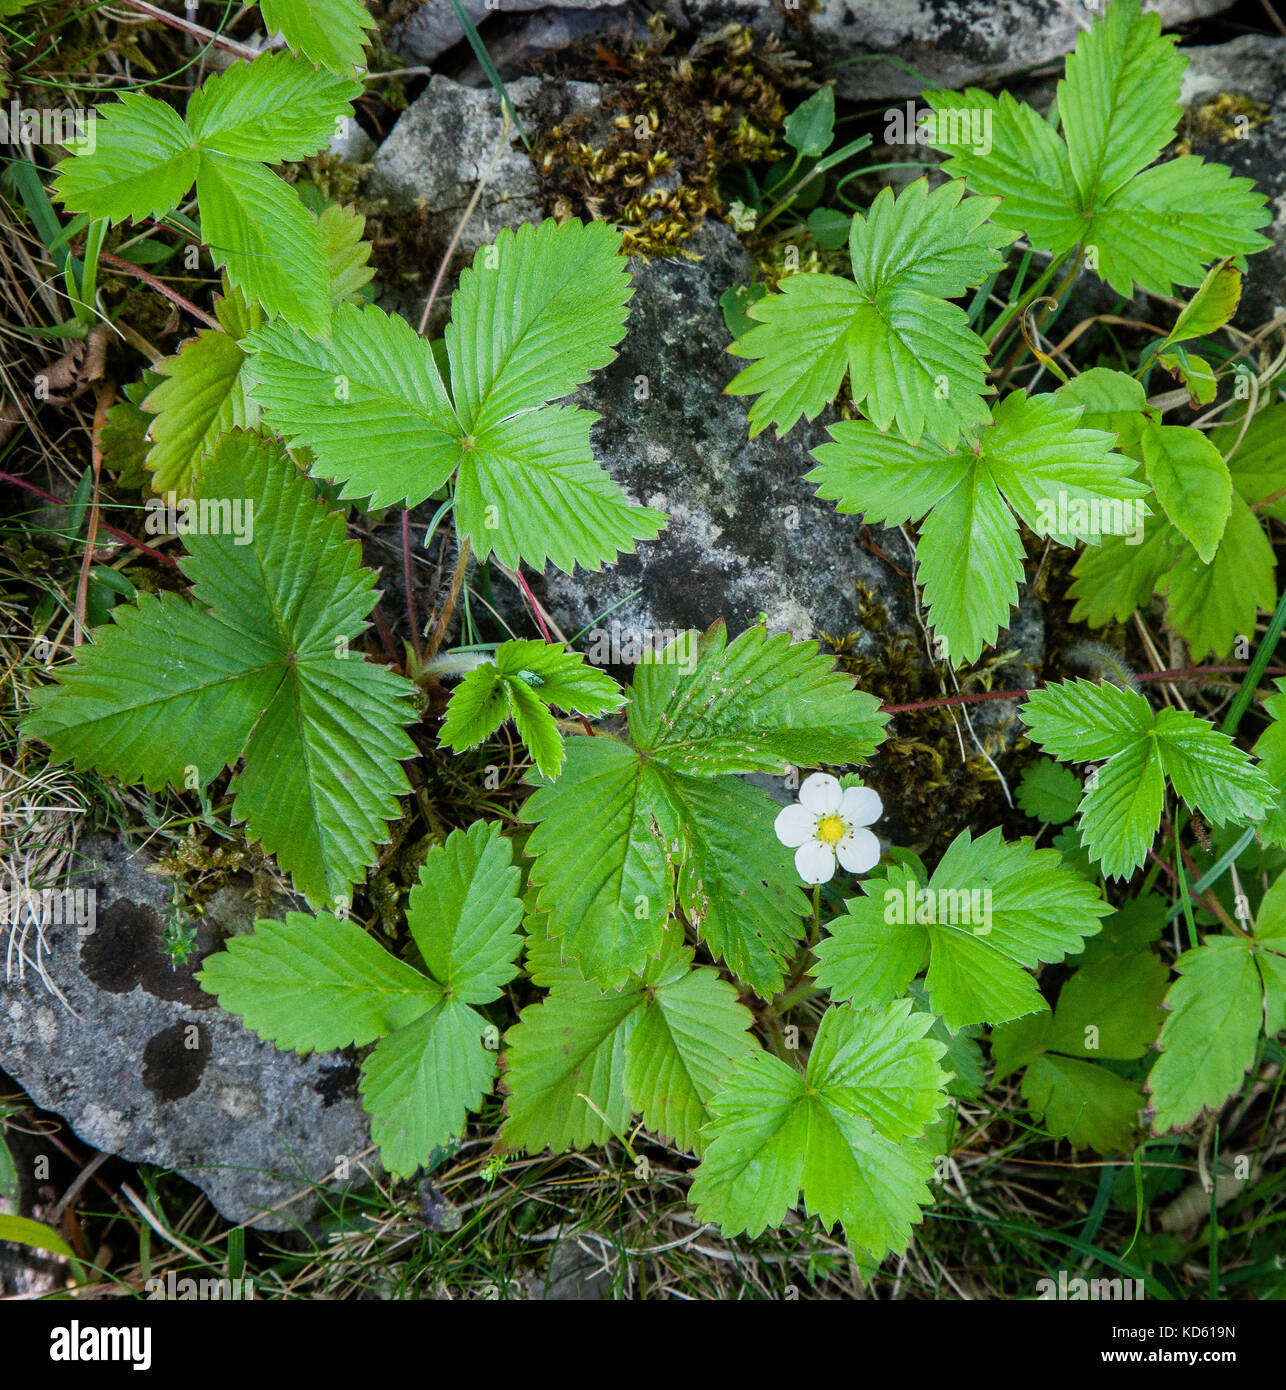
<point x="831" y="830"/>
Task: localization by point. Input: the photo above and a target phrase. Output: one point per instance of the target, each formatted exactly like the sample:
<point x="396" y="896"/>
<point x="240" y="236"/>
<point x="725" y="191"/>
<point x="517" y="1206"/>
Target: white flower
<point x="829" y="823"/>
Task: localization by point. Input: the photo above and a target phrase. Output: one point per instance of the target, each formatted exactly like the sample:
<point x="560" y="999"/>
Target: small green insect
<point x="531" y="677"/>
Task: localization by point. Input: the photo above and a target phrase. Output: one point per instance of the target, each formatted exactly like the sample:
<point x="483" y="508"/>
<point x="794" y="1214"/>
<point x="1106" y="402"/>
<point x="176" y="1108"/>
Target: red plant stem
<point x="1185" y="673"/>
<point x="161" y="288"/>
<point x="112" y="530"/>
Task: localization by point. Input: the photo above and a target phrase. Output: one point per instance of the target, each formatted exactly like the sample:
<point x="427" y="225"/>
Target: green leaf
<point x="1034" y="458"/>
<point x="369" y="404"/>
<point x="1026" y="167"/>
<point x="1048" y="792"/>
<point x="316" y="983"/>
<point x="1077" y="721"/>
<point x="990" y="909"/>
<point x="271" y="110"/>
<point x="625" y="828"/>
<point x="565" y="1067"/>
<point x="21" y="1230"/>
<point x="760" y="704"/>
<point x="1115" y="578"/>
<point x="1212" y="605"/>
<point x="911" y="357"/>
<point x="776" y="1130"/>
<point x="332" y="33"/>
<point x="259" y="231"/>
<point x="608" y="887"/>
<point x="1208" y="1042"/>
<point x="1088" y="1105"/>
<point x="202" y="397"/>
<point x="529" y="489"/>
<point x="250" y="669"/>
<point x="340" y="227"/>
<point x="1119" y="100"/>
<point x="464" y="913"/>
<point x="810" y="127"/>
<point x="1118" y="104"/>
<point x="1191" y="481"/>
<point x="1111" y="1009"/>
<point x="689" y="1032"/>
<point x="142" y="162"/>
<point x="737" y="883"/>
<point x="534" y="316"/>
<point x="1169" y="222"/>
<point x="421" y="1082"/>
<point x="1211" y="307"/>
<point x="525" y="677"/>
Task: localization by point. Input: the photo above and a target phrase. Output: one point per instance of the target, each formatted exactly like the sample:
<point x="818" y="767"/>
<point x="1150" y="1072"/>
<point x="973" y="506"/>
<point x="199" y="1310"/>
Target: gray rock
<point x="952" y="43"/>
<point x="1252" y="66"/>
<point x="142" y="1063"/>
<point x="434" y="28"/>
<point x="746" y="533"/>
<point x="525" y="40"/>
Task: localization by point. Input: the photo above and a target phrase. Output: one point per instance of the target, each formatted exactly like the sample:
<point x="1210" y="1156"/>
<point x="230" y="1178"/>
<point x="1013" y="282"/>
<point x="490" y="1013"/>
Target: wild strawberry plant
<point x="648" y="899"/>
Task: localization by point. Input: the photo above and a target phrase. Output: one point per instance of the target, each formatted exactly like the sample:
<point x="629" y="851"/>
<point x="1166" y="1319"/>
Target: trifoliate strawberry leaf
<point x="533" y="316"/>
<point x="1048" y="792"/>
<point x="661" y="1045"/>
<point x="777" y="1130"/>
<point x="759" y="704"/>
<point x="144" y="159"/>
<point x="990" y="912"/>
<point x="911" y="357"/>
<point x="320" y="983"/>
<point x="1078" y="721"/>
<point x="316" y="983"/>
<point x="257" y="668"/>
<point x="1191" y="482"/>
<point x="1033" y="460"/>
<point x="624" y="827"/>
<point x="203" y="396"/>
<point x="524" y="678"/>
<point x="1119" y="105"/>
<point x="332" y="33"/>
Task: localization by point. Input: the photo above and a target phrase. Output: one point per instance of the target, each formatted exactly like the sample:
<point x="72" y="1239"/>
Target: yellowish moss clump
<point x="1226" y="117"/>
<point x="679" y="120"/>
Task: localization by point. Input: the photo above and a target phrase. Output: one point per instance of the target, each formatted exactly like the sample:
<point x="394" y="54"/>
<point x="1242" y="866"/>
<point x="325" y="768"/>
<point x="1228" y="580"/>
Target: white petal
<point x="794" y="825"/>
<point x="861" y="806"/>
<point x="858" y="851"/>
<point x="815" y="862"/>
<point x="820" y="793"/>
